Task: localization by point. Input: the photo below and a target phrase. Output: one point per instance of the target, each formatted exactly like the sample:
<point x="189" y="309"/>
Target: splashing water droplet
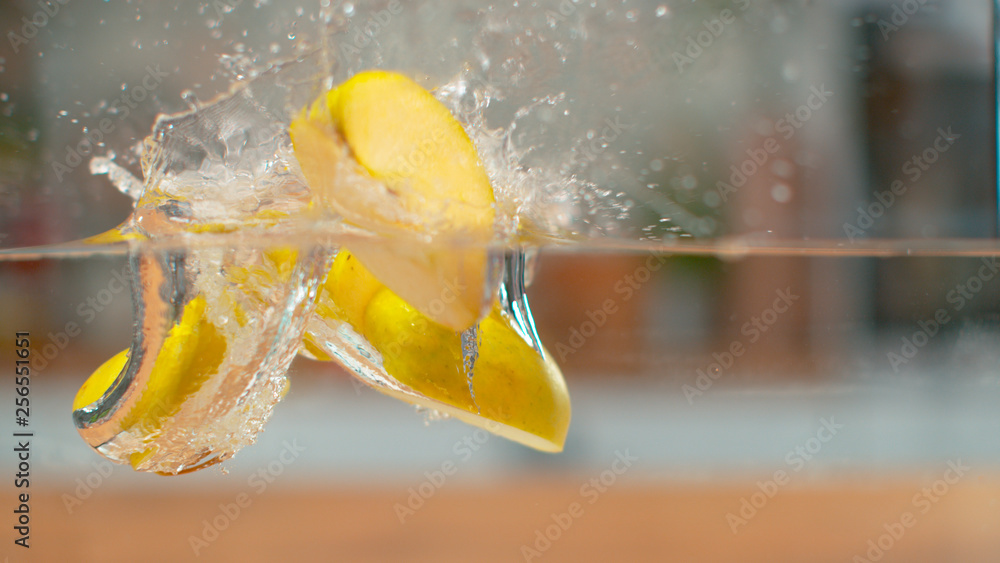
<point x="190" y="98"/>
<point x="781" y="193"/>
<point x="120" y="177"/>
<point x="470" y="353"/>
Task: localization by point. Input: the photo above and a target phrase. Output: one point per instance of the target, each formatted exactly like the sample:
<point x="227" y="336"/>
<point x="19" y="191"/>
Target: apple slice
<point x="387" y="156"/>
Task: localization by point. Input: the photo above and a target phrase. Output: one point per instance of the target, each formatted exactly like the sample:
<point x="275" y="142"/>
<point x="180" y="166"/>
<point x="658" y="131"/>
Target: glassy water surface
<point x="756" y="221"/>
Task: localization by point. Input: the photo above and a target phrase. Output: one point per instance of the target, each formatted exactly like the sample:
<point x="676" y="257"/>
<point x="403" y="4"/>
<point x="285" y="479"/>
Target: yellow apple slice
<point x="191" y="354"/>
<point x="386" y="155"/>
<point x="515" y="391"/>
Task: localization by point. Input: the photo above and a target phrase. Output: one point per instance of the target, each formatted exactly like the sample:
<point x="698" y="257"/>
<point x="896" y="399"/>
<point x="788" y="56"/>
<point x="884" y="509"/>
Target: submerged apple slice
<point x="206" y="366"/>
<point x="386" y="155"/>
<point x="510" y="390"/>
<point x="218" y="327"/>
<point x="191" y="354"/>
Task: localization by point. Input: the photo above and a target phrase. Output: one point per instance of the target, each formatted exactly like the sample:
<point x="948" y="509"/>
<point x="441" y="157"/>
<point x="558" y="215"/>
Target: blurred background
<point x="788" y="406"/>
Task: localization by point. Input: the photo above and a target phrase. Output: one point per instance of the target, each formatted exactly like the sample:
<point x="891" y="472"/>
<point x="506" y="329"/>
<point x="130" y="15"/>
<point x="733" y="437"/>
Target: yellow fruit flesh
<point x="406" y="139"/>
<point x="386" y="155"/>
<point x="101" y="380"/>
<point x="192" y="352"/>
<point x="397" y="134"/>
<point x="401" y="295"/>
<point x="519" y="393"/>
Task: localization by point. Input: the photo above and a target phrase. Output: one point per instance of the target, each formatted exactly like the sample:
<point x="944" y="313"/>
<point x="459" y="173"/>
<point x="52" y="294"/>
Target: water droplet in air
<point x="120" y="177"/>
<point x="779" y="24"/>
<point x="190" y="98"/>
<point x="790" y="71"/>
<point x="662" y="11"/>
<point x="782" y="168"/>
<point x="781" y="193"/>
<point x="656" y="165"/>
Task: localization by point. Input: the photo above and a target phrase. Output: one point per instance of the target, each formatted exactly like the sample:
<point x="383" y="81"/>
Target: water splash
<point x="226" y="166"/>
<point x="470" y="353"/>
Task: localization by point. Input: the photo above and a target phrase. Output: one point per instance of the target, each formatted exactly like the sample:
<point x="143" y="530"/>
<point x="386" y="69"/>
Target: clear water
<point x="556" y="97"/>
<point x="862" y="345"/>
<point x="217" y="181"/>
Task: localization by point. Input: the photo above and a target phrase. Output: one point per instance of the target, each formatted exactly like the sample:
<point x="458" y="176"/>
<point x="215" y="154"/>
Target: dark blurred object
<point x="930" y="148"/>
